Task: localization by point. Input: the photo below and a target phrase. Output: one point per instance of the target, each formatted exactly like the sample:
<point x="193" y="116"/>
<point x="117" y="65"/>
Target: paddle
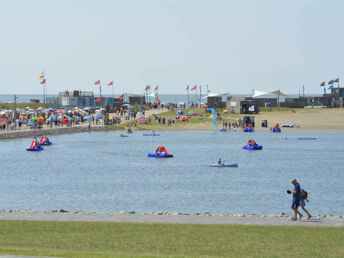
<point x="224" y="161"/>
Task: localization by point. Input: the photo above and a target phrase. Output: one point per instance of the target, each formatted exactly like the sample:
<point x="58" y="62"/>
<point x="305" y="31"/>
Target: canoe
<point x="155" y="155"/>
<point x="46" y="143"/>
<point x="257" y="147"/>
<point x="124" y="135"/>
<point x="306" y="138"/>
<point x="149" y="134"/>
<point x="233" y="165"/>
<point x="35" y="149"/>
<point x="222" y="130"/>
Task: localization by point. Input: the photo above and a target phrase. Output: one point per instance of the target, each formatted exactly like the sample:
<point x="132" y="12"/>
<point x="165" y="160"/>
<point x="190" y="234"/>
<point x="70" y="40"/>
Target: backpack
<point x="304" y="194"/>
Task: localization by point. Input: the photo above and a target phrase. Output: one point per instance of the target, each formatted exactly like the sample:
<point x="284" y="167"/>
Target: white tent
<point x="215" y="95"/>
<point x="257" y="93"/>
<point x="278" y="93"/>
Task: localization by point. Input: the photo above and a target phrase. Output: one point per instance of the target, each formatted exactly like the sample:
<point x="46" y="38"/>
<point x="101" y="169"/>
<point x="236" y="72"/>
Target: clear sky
<point x="231" y="46"/>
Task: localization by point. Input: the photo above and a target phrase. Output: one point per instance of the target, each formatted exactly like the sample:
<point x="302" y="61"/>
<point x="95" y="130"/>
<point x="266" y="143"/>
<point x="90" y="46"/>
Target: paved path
<point x="25" y="132"/>
<point x="172" y="218"/>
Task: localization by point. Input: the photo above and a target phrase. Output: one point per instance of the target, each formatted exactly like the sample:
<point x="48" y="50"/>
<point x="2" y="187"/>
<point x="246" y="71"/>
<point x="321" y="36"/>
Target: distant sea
<point x="165" y="98"/>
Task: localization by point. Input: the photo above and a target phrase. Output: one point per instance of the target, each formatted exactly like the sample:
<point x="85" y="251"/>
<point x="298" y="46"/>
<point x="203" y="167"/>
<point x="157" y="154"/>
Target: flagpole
<point x="188" y="96"/>
<point x="196" y="97"/>
<point x="46" y="91"/>
<point x="113" y="91"/>
<point x="43" y="94"/>
<point x="200" y="95"/>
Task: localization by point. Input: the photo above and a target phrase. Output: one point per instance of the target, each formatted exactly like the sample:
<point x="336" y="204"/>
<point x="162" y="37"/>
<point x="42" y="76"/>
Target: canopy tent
<point x="278" y="93"/>
<point x="216" y="95"/>
<point x="257" y="93"/>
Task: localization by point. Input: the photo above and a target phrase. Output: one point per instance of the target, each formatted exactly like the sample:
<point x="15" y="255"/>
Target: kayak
<point x="248" y="130"/>
<point x="156" y="155"/>
<point x="249" y="147"/>
<point x="233" y="165"/>
<point x="306" y="138"/>
<point x="124" y="135"/>
<point x="46" y="143"/>
<point x="222" y="130"/>
<point x="276" y="131"/>
<point x="35" y="149"/>
<point x="150" y="134"/>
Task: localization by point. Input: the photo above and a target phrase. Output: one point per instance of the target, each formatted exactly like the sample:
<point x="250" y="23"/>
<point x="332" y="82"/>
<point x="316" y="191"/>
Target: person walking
<point x="304" y="197"/>
<point x="296" y="198"/>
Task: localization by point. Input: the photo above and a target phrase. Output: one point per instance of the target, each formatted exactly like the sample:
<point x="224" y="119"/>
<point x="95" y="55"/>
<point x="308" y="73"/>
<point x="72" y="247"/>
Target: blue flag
<point x="213" y="112"/>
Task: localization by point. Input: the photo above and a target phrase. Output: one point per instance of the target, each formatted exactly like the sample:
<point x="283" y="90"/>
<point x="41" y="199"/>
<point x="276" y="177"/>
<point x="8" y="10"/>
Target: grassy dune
<point x="104" y="239"/>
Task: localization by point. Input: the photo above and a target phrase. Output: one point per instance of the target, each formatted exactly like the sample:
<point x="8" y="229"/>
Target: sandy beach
<point x="174" y="217"/>
<point x="316" y="120"/>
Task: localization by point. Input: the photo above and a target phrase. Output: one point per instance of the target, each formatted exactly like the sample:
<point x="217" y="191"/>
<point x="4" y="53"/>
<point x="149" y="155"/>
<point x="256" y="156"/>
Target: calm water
<point x="107" y="173"/>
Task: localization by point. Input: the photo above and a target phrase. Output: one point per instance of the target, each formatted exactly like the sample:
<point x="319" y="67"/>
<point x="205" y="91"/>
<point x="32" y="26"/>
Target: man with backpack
<point x="296" y="198"/>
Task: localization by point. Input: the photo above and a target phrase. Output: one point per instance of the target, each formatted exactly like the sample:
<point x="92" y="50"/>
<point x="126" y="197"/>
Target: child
<point x="304" y="196"/>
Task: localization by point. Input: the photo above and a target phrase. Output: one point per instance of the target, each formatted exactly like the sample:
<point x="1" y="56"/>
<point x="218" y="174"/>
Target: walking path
<point x="151" y="217"/>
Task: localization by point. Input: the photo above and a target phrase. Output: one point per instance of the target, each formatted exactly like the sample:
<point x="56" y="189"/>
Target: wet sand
<point x="154" y="217"/>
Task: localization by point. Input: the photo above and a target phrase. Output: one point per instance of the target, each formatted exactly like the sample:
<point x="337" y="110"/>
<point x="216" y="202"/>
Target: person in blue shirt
<point x="296" y="198"/>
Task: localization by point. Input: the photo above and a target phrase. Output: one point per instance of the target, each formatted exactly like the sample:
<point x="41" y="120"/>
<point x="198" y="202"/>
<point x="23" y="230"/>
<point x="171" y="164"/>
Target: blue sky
<point x="231" y="46"/>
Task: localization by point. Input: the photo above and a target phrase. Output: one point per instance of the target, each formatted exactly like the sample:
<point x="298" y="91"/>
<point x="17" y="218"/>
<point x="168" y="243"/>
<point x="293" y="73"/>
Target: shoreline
<point x="29" y="133"/>
<point x="170" y="217"/>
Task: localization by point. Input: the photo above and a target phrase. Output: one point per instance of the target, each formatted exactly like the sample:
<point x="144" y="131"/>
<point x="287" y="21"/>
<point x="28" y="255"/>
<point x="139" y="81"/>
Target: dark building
<point x="135" y="100"/>
<point x="242" y="105"/>
<point x="215" y="101"/>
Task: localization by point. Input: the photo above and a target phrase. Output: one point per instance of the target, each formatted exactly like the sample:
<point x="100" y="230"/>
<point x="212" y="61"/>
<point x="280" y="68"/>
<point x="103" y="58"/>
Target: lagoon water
<point x="107" y="173"/>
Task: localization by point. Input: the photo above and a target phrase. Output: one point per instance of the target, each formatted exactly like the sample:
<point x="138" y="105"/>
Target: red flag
<point x="43" y="81"/>
<point x="158" y="100"/>
<point x="110" y="83"/>
<point x="147" y="87"/>
<point x="187" y="88"/>
<point x="156" y="88"/>
<point x="121" y="97"/>
<point x="97" y="82"/>
<point x="99" y="100"/>
<point x="194" y="87"/>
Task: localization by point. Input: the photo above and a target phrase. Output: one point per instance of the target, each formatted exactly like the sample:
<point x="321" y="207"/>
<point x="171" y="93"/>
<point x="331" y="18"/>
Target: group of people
<point x="37" y="144"/>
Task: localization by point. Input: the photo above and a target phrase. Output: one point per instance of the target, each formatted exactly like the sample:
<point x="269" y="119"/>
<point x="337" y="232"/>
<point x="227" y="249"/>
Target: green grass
<point x="105" y="239"/>
<point x="193" y="120"/>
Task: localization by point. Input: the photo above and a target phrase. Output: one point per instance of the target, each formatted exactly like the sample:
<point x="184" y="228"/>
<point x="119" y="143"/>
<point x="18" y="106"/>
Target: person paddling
<point x="219" y="161"/>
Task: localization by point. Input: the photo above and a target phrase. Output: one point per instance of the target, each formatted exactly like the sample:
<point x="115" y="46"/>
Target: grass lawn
<point x="200" y="122"/>
<point x="105" y="239"/>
